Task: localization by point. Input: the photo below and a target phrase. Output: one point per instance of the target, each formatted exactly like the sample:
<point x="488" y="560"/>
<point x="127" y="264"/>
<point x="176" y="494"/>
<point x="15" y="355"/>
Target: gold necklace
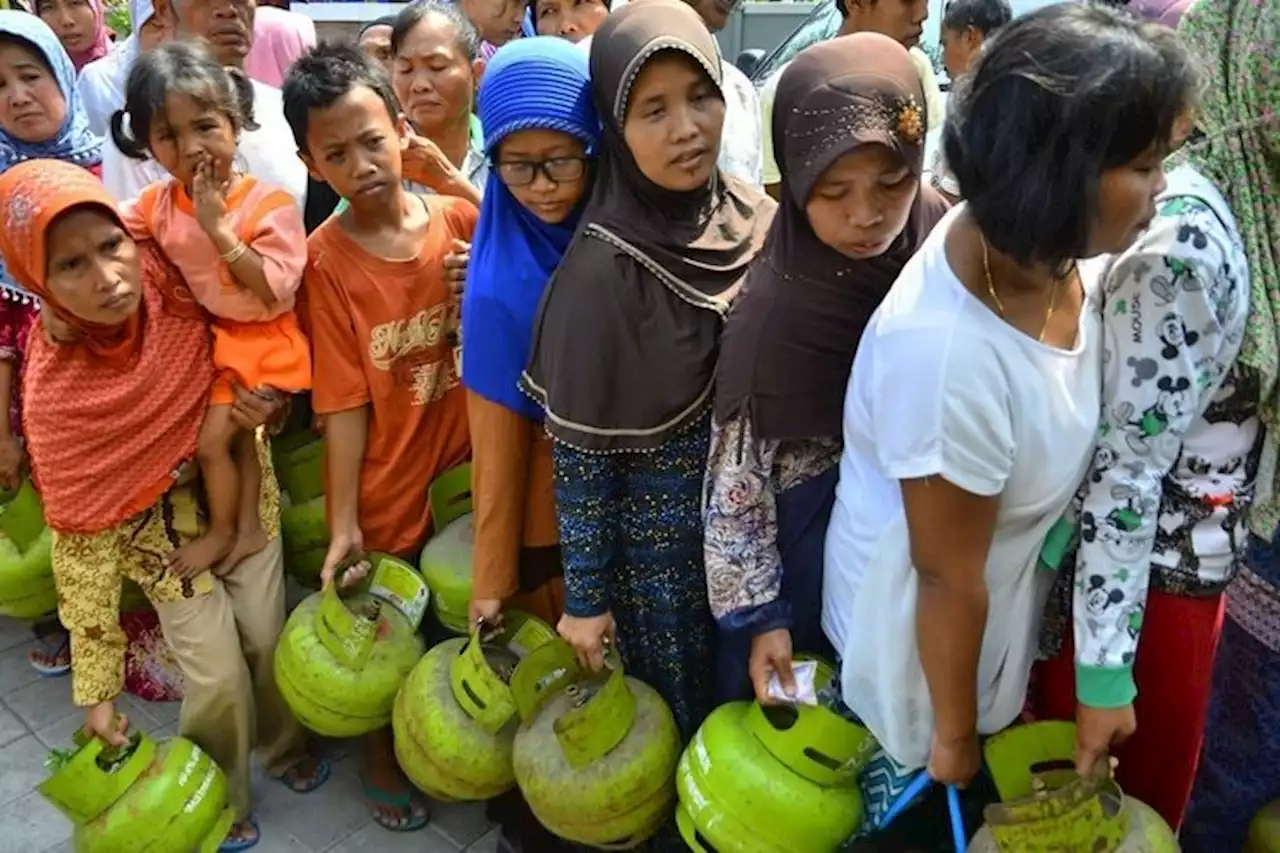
<point x="995" y="297"/>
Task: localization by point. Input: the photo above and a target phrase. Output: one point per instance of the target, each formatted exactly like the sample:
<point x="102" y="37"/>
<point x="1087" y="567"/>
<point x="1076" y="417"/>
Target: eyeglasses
<point x="557" y="170"/>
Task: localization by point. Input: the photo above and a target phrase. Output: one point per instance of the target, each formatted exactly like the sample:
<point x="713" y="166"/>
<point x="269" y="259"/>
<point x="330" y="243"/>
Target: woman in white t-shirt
<point x="971" y="412"/>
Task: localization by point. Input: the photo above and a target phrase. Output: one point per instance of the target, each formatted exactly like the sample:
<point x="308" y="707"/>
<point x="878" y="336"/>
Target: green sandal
<point x="404" y="802"/>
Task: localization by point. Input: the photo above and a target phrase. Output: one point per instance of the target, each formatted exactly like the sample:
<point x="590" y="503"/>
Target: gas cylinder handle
<point x="480" y="691"/>
<point x="597" y="723"/>
<point x="543" y="673"/>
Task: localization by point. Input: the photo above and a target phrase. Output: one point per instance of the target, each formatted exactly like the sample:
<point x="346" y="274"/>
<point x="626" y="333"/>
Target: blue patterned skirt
<point x="1240" y="764"/>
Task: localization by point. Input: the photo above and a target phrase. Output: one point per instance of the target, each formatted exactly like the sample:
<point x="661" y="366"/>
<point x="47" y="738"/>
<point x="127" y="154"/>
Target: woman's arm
<point x="588" y="490"/>
<point x="950" y="531"/>
<point x="587" y="497"/>
<point x="500" y="447"/>
<point x="740" y="546"/>
<point x="1165" y="358"/>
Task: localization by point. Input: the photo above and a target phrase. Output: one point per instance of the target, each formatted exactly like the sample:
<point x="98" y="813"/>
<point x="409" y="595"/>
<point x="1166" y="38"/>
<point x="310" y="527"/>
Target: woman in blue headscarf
<point x="541" y="133"/>
<point x="41" y="116"/>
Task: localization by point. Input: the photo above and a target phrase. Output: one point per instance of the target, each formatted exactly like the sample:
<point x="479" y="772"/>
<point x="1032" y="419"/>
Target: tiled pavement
<point x="36" y="714"/>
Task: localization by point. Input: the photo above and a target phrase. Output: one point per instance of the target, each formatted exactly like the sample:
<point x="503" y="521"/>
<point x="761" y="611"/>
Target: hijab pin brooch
<point x="910" y="125"/>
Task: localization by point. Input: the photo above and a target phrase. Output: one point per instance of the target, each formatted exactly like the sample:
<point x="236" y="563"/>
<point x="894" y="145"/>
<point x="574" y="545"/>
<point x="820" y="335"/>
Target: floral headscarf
<point x="1235" y="41"/>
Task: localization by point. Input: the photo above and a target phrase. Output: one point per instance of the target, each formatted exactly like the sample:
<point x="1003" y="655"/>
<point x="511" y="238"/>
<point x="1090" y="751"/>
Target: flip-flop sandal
<point x="245" y="843"/>
<point x="305" y="784"/>
<point x="403" y="802"/>
<point x="52" y="650"/>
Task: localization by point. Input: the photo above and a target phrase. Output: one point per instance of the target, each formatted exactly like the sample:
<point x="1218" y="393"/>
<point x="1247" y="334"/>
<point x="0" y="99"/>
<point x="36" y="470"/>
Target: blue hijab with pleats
<point x="539" y="83"/>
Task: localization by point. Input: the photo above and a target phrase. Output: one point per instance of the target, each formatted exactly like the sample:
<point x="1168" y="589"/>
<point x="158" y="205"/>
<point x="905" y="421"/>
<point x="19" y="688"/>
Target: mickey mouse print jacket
<point x="1179" y="436"/>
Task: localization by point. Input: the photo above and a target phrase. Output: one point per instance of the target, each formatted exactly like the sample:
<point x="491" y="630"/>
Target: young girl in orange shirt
<point x="241" y="245"/>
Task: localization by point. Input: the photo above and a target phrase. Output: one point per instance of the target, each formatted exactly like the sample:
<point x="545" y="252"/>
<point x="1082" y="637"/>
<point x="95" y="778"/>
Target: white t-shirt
<point x="268" y="153"/>
<point x="943" y="386"/>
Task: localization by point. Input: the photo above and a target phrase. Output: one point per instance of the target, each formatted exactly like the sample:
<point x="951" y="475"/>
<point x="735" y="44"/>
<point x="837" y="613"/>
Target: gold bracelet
<point x="236" y="253"/>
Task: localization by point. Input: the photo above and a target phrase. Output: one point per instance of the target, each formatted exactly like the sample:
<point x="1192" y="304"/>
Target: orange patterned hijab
<point x="108" y="419"/>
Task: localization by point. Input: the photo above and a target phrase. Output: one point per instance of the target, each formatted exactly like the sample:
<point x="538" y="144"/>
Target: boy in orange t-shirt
<point x="378" y="308"/>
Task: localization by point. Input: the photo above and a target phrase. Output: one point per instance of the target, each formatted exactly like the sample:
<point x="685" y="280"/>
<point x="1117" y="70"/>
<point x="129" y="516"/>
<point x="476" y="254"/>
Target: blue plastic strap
<point x="917" y="787"/>
<point x="957" y="818"/>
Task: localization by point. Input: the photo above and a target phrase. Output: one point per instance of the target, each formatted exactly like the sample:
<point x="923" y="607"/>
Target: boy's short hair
<point x="1058" y="97"/>
<point x="985" y="16"/>
<point x="410" y="16"/>
<point x="324" y="75"/>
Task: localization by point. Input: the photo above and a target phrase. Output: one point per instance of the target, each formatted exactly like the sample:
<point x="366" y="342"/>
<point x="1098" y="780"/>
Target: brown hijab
<point x="790" y="341"/>
<point x="625" y="344"/>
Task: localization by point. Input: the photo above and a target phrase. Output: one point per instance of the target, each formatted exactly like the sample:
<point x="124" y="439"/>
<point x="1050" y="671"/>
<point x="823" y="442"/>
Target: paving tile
<point x="59" y="731"/>
<point x="11" y="728"/>
<point x="16" y="671"/>
<point x="375" y="839"/>
<point x="487" y="844"/>
<point x="319" y="819"/>
<point x="274" y="841"/>
<point x="21" y="769"/>
<point x="43" y="702"/>
<point x="163" y="713"/>
<point x="13" y="633"/>
<point x="30" y="824"/>
<point x="461" y="823"/>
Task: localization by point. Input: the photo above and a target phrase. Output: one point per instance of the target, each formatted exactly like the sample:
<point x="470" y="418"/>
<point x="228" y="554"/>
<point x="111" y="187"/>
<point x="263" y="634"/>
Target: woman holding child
<point x="112" y="421"/>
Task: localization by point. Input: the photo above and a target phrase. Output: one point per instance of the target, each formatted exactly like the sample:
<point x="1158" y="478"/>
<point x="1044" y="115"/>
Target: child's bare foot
<point x="201" y="555"/>
<point x="246" y="545"/>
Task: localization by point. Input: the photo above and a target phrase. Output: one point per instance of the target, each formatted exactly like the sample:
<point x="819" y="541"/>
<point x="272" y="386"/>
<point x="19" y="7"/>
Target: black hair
<point x="384" y="21"/>
<point x="413" y="14"/>
<point x="325" y="74"/>
<point x="181" y="67"/>
<point x="985" y="16"/>
<point x="1056" y="98"/>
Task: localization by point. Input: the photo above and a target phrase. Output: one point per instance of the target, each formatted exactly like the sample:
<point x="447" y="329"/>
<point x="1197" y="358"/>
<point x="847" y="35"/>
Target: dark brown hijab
<point x="625" y="344"/>
<point x="790" y="341"/>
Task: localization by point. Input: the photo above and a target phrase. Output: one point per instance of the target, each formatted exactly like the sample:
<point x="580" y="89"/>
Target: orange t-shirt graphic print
<point x="378" y="329"/>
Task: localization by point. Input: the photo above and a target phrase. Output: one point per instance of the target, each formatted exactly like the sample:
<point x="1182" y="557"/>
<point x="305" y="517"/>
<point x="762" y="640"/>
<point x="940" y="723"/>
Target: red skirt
<point x="1174" y="673"/>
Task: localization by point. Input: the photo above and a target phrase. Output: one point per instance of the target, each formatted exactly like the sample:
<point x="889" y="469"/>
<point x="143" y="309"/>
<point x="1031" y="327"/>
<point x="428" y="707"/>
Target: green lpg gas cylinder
<point x="298" y="460"/>
<point x="772" y="780"/>
<point x="1264" y="831"/>
<point x="304" y="537"/>
<point x="1046" y="807"/>
<point x="595" y="756"/>
<point x="455" y="717"/>
<point x="26" y="556"/>
<point x="166" y="797"/>
<point x="446" y="558"/>
<point x="340" y="662"/>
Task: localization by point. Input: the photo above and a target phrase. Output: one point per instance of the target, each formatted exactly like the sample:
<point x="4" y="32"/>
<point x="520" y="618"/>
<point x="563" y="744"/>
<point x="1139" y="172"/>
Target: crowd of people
<point x="740" y="376"/>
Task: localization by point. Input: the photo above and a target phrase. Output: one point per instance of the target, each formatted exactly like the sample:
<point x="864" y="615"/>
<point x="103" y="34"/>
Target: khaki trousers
<point x="225" y="643"/>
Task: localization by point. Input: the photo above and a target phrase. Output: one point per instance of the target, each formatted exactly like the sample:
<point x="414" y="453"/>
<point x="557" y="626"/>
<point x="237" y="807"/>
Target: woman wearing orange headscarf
<point x="111" y="422"/>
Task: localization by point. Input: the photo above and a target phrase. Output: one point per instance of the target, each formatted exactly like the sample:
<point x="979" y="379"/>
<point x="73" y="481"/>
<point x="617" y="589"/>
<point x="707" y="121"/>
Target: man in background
<point x="900" y="20"/>
<point x="966" y="27"/>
